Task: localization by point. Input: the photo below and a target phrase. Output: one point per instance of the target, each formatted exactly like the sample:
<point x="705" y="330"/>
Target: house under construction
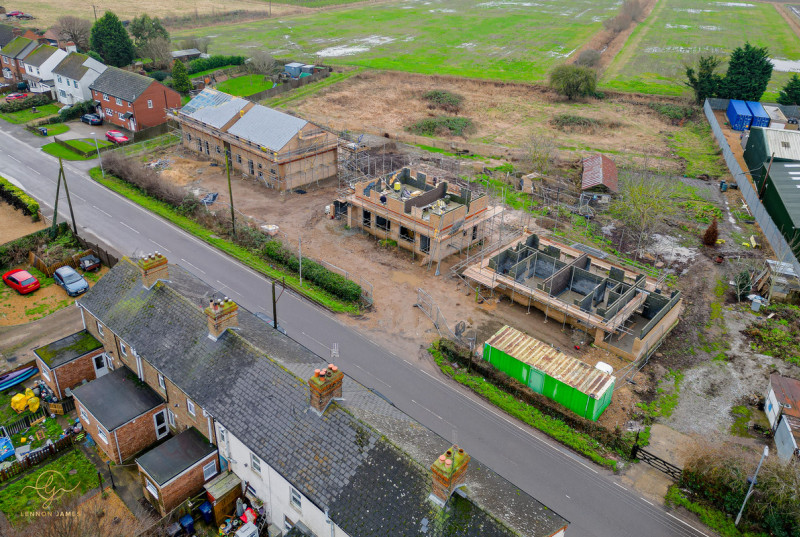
<point x="627" y="313"/>
<point x="429" y="217"/>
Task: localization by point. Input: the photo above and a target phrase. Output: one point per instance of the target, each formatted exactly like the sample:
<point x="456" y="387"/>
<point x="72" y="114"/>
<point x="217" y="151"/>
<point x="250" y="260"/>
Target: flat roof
<point x="177" y="454"/>
<point x="117" y="398"/>
<point x="787" y="392"/>
<point x="68" y="348"/>
<point x="571" y="371"/>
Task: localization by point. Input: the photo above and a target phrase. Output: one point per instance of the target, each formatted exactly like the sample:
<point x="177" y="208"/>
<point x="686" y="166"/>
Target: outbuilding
<point x="782" y="407"/>
<point x="599" y="174"/>
<point x="70" y="361"/>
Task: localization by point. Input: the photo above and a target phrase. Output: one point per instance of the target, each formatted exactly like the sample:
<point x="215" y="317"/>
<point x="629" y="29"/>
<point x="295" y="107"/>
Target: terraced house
<point x="38" y="68"/>
<point x="324" y="454"/>
<point x="73" y="76"/>
<point x="11" y="54"/>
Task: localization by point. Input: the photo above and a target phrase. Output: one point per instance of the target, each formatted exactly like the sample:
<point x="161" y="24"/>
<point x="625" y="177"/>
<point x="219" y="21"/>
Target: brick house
<point x="132" y="101"/>
<point x="69" y="361"/>
<point x="177" y="469"/>
<point x="278" y="149"/>
<point x="11" y="55"/>
<point x="122" y="414"/>
<point x="38" y="68"/>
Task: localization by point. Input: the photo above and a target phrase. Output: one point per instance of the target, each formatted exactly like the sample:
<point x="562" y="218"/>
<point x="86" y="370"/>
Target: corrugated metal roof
<point x="784" y="269"/>
<point x="267" y="127"/>
<point x="599" y="170"/>
<point x="571" y="371"/>
<point x="787" y="392"/>
<point x="784" y="143"/>
<point x="786" y="178"/>
<point x="213" y="107"/>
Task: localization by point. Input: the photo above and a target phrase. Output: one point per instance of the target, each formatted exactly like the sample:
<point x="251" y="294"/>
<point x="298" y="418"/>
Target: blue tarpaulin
<point x="6" y="448"/>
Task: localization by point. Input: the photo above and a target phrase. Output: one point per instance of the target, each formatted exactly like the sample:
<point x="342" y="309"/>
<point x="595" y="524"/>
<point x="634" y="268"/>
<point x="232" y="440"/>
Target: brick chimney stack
<point x="326" y="385"/>
<point x="153" y="267"/>
<point x="16" y="31"/>
<point x="221" y="315"/>
<point x="448" y="472"/>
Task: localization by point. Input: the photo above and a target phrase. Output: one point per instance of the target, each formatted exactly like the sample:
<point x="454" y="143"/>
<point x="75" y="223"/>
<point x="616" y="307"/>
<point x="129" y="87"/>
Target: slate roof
<point x="186" y="52"/>
<point x="599" y="170"/>
<point x="177" y="454"/>
<point x="72" y="66"/>
<point x="267" y="127"/>
<point x="68" y="348"/>
<point x="375" y="480"/>
<point x="126" y="85"/>
<point x="213" y="107"/>
<point x="6" y="34"/>
<point x="131" y="398"/>
<point x="39" y="55"/>
<point x="18" y="48"/>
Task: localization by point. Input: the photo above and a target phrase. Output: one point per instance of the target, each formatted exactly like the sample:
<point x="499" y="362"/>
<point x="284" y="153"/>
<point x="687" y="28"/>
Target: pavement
<point x="595" y="501"/>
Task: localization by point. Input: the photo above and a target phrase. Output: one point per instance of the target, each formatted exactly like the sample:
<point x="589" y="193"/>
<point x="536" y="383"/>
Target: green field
<point x="679" y="31"/>
<point x="243" y="86"/>
<point x="506" y="39"/>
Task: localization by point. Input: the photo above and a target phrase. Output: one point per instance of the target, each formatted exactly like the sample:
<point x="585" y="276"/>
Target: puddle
<point x="734" y="4"/>
<point x="441" y="10"/>
<point x="683" y="50"/>
<point x="711" y="28"/>
<point x="786" y="66"/>
<point x="677" y="26"/>
<point x="695" y="11"/>
<point x="507" y="3"/>
<point x="467" y="45"/>
<point x="348" y="50"/>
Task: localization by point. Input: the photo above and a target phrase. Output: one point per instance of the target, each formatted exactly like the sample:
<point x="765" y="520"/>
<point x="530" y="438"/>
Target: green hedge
<point x="18" y="198"/>
<point x="24" y="104"/>
<point x="76" y="110"/>
<point x="213" y="62"/>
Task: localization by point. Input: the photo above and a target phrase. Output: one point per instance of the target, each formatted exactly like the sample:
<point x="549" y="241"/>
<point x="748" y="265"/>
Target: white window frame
<point x="295" y="499"/>
<point x="170" y="418"/>
<point x="123" y="349"/>
<point x="85" y="416"/>
<point x="75" y="82"/>
<point x="287" y="526"/>
<point x="190" y="407"/>
<point x="255" y="463"/>
<point x="100" y="329"/>
<point x="213" y="467"/>
<point x="105" y="96"/>
<point x="118" y="101"/>
<point x="149" y="103"/>
<point x="120" y="114"/>
<point x="161" y="382"/>
<point x="45" y="373"/>
<point x="151" y="488"/>
<point x="59" y="78"/>
<point x="102" y="434"/>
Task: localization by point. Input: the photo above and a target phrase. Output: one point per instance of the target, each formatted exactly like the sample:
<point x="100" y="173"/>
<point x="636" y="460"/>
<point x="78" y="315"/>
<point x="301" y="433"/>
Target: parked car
<point x="14" y="13"/>
<point x="116" y="137"/>
<point x="21" y="281"/>
<point x="15" y="96"/>
<point x="89" y="262"/>
<point x="92" y="119"/>
<point x="72" y="282"/>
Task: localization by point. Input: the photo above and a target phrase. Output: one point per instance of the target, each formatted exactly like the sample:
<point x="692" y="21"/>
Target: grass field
<point x="679" y="31"/>
<point x="506" y="40"/>
<point x="23" y="116"/>
<point x="243" y="86"/>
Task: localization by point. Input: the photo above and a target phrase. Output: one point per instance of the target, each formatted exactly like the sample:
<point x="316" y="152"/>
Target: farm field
<point x="504" y="40"/>
<point x="679" y="31"/>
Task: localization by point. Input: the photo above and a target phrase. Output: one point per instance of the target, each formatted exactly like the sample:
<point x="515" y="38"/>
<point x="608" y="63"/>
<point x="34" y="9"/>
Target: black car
<point x="92" y="119"/>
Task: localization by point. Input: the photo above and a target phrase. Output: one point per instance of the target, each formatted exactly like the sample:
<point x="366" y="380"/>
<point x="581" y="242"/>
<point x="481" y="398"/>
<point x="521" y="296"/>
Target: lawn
<point x="679" y="31"/>
<point x="24" y="116"/>
<point x="45" y="487"/>
<point x="62" y="152"/>
<point x="88" y="144"/>
<point x="506" y="40"/>
<point x="55" y="129"/>
<point x="243" y="86"/>
<point x="200" y="74"/>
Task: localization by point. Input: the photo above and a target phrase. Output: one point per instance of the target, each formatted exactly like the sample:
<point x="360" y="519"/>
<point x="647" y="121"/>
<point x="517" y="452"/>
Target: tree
<point x="95" y="56"/>
<point x="573" y="81"/>
<point x="261" y="62"/>
<point x="157" y="49"/>
<point x="588" y="58"/>
<point x="111" y="41"/>
<point x="749" y="71"/>
<point x="643" y="203"/>
<point x="790" y="94"/>
<point x="704" y="81"/>
<point x="144" y="29"/>
<point x="200" y="43"/>
<point x="541" y="153"/>
<point x="711" y="235"/>
<point x="180" y="78"/>
<point x="74" y="29"/>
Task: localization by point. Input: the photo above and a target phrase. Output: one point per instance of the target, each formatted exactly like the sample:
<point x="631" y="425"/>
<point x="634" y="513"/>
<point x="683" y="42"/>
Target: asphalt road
<point x="590" y="497"/>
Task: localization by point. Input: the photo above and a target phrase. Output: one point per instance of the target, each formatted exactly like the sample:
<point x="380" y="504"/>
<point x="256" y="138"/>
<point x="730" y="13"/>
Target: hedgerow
<point x="18" y="198"/>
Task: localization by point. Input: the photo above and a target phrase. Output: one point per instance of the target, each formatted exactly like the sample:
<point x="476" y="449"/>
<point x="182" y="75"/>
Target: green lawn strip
<point x="243" y="86"/>
<point x="21" y="495"/>
<point x="60" y="151"/>
<point x="201" y="74"/>
<point x="696" y="146"/>
<point x="580" y="442"/>
<point x="718" y="521"/>
<point x="242" y="254"/>
<point x="24" y="116"/>
<point x="54" y="129"/>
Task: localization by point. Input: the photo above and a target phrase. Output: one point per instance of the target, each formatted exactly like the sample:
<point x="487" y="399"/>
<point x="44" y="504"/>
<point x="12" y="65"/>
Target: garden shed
<point x="581" y="388"/>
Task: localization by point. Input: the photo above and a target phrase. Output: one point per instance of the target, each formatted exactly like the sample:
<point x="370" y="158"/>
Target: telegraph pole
<point x="69" y="199"/>
<point x="230" y="194"/>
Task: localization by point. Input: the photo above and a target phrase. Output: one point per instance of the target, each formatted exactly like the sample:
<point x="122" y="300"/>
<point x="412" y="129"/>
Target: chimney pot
<point x="221" y="316"/>
<point x="152" y="269"/>
<point x="325" y="385"/>
<point x="316" y="372"/>
<point x="448" y="463"/>
<point x="324" y="373"/>
<point x="448" y="473"/>
<point x="442" y="458"/>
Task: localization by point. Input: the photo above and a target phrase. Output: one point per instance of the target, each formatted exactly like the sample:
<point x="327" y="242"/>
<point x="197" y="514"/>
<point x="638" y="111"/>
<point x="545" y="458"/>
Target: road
<point x="591" y="498"/>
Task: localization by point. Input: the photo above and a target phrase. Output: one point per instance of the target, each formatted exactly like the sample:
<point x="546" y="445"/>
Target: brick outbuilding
<point x="71" y="360"/>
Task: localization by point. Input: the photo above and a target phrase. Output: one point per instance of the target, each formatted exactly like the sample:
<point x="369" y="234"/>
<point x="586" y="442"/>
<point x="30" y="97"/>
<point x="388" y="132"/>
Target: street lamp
<point x="752" y="481"/>
<point x="97" y="147"/>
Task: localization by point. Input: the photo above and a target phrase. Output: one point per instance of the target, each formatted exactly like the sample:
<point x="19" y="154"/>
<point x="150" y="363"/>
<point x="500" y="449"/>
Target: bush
<point x="446" y="100"/>
<point x="145" y="178"/>
<point x="213" y="62"/>
<point x="76" y="110"/>
<point x="24" y="104"/>
<point x="19" y="199"/>
<point x="573" y="81"/>
<point x="588" y="58"/>
<point x="567" y="121"/>
<point x="158" y="75"/>
<point x="443" y="126"/>
<point x="711" y="235"/>
<point x="675" y="112"/>
<point x="16" y="252"/>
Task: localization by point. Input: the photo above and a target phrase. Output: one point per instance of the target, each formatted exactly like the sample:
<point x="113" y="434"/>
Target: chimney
<point x="16" y="31"/>
<point x="153" y="268"/>
<point x="326" y="385"/>
<point x="221" y="315"/>
<point x="448" y="474"/>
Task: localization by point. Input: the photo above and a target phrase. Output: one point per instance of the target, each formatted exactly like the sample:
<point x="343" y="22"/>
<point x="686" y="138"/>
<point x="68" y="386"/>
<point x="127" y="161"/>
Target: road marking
<point x="321" y="344"/>
<point x="685" y="523"/>
<point x="444" y="420"/>
<point x="194" y="267"/>
<point x="35" y="171"/>
<point x="161" y="246"/>
<point x="16" y="159"/>
<point x="80" y="198"/>
<point x="102" y="211"/>
<point x="646" y="501"/>
<point x="129" y="227"/>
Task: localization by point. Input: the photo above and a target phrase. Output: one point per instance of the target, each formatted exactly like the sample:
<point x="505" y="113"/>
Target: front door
<point x="160" y="420"/>
<point x="100" y="365"/>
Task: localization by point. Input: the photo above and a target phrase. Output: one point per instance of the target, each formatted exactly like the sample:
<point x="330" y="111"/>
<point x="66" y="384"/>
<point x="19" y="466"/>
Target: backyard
<point x="243" y="86"/>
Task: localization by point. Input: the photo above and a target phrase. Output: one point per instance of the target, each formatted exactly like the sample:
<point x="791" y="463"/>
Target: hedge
<point x="18" y="198"/>
<point x="212" y="62"/>
<point x="24" y="104"/>
<point x="76" y="110"/>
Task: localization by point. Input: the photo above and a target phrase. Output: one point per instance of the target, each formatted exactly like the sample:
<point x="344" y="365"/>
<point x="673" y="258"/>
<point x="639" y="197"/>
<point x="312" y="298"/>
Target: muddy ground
<point x="14" y="224"/>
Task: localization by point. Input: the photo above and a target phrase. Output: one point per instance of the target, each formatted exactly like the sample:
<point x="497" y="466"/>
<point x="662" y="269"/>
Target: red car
<point x="21" y="281"/>
<point x="14" y="96"/>
<point x="14" y="13"/>
<point x="116" y="137"/>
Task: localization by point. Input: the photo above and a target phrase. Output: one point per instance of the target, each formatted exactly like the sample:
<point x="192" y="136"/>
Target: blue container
<point x="293" y="69"/>
<point x="739" y="115"/>
<point x="760" y="116"/>
<point x="187" y="523"/>
<point x="206" y="511"/>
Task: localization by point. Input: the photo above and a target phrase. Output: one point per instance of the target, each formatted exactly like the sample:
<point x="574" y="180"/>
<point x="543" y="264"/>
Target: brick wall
<point x="184" y="486"/>
<point x="71" y="374"/>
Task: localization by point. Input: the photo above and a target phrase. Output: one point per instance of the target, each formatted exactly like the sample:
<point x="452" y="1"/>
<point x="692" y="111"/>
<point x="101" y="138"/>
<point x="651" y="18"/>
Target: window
<point x="209" y="470"/>
<point x="161" y="382"/>
<point x="123" y="349"/>
<point x="105" y="96"/>
<point x="366" y="219"/>
<point x="109" y="112"/>
<point x="188" y="137"/>
<point x="287" y="524"/>
<point x="251" y="167"/>
<point x="255" y="462"/>
<point x="129" y="105"/>
<point x="100" y="329"/>
<point x="259" y="166"/>
<point x="5" y="59"/>
<point x="75" y="83"/>
<point x="260" y="175"/>
<point x="84" y="416"/>
<point x="102" y="434"/>
<point x="190" y="407"/>
<point x="239" y="159"/>
<point x="120" y="114"/>
<point x="171" y="418"/>
<point x="45" y="374"/>
<point x="273" y="171"/>
<point x="149" y="103"/>
<point x="59" y="78"/>
<point x="296" y="499"/>
<point x="151" y="488"/>
<point x="474" y="232"/>
<point x="62" y="93"/>
<point x="118" y="101"/>
<point x="217" y="149"/>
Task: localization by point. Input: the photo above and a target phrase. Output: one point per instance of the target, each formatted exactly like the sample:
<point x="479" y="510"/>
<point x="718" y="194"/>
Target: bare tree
<point x="261" y="62"/>
<point x="541" y="152"/>
<point x="643" y="202"/>
<point x="200" y="43"/>
<point x="157" y="49"/>
<point x="74" y="29"/>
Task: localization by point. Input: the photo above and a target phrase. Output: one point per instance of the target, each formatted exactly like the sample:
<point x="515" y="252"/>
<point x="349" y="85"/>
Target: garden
<point x="242" y="86"/>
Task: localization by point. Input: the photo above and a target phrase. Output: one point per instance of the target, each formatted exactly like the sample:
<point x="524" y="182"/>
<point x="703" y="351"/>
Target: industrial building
<point x="583" y="389"/>
<point x="280" y="150"/>
<point x="429" y="217"/>
<point x="625" y="312"/>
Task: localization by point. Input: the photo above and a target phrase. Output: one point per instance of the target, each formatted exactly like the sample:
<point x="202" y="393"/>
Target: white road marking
<point x="35" y="171"/>
<point x="160" y="245"/>
<point x="321" y="344"/>
<point x="102" y="211"/>
<point x="129" y="227"/>
<point x="15" y="159"/>
<point x="194" y="267"/>
<point x="77" y="196"/>
<point x="686" y="524"/>
<point x="441" y="418"/>
<point x="646" y="501"/>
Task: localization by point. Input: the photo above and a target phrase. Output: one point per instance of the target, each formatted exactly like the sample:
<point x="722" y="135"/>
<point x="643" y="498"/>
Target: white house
<point x="38" y="68"/>
<point x="74" y="75"/>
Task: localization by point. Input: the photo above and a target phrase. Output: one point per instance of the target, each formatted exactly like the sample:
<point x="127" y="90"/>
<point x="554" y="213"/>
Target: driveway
<point x="78" y="129"/>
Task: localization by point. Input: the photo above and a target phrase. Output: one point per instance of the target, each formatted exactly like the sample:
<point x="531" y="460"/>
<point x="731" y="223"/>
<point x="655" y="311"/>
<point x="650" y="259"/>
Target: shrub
<point x="158" y="75"/>
<point x="588" y="58"/>
<point x="675" y="112"/>
<point x="446" y="100"/>
<point x="76" y="110"/>
<point x="711" y="235"/>
<point x="213" y="62"/>
<point x="15" y="252"/>
<point x="573" y="81"/>
<point x="19" y="199"/>
<point x="145" y="178"/>
<point x="443" y="126"/>
<point x="567" y="121"/>
<point x="24" y="104"/>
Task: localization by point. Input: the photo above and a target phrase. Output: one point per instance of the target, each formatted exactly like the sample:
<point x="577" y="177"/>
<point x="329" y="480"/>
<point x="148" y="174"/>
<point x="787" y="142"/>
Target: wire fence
<point x="137" y="148"/>
<point x="775" y="238"/>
